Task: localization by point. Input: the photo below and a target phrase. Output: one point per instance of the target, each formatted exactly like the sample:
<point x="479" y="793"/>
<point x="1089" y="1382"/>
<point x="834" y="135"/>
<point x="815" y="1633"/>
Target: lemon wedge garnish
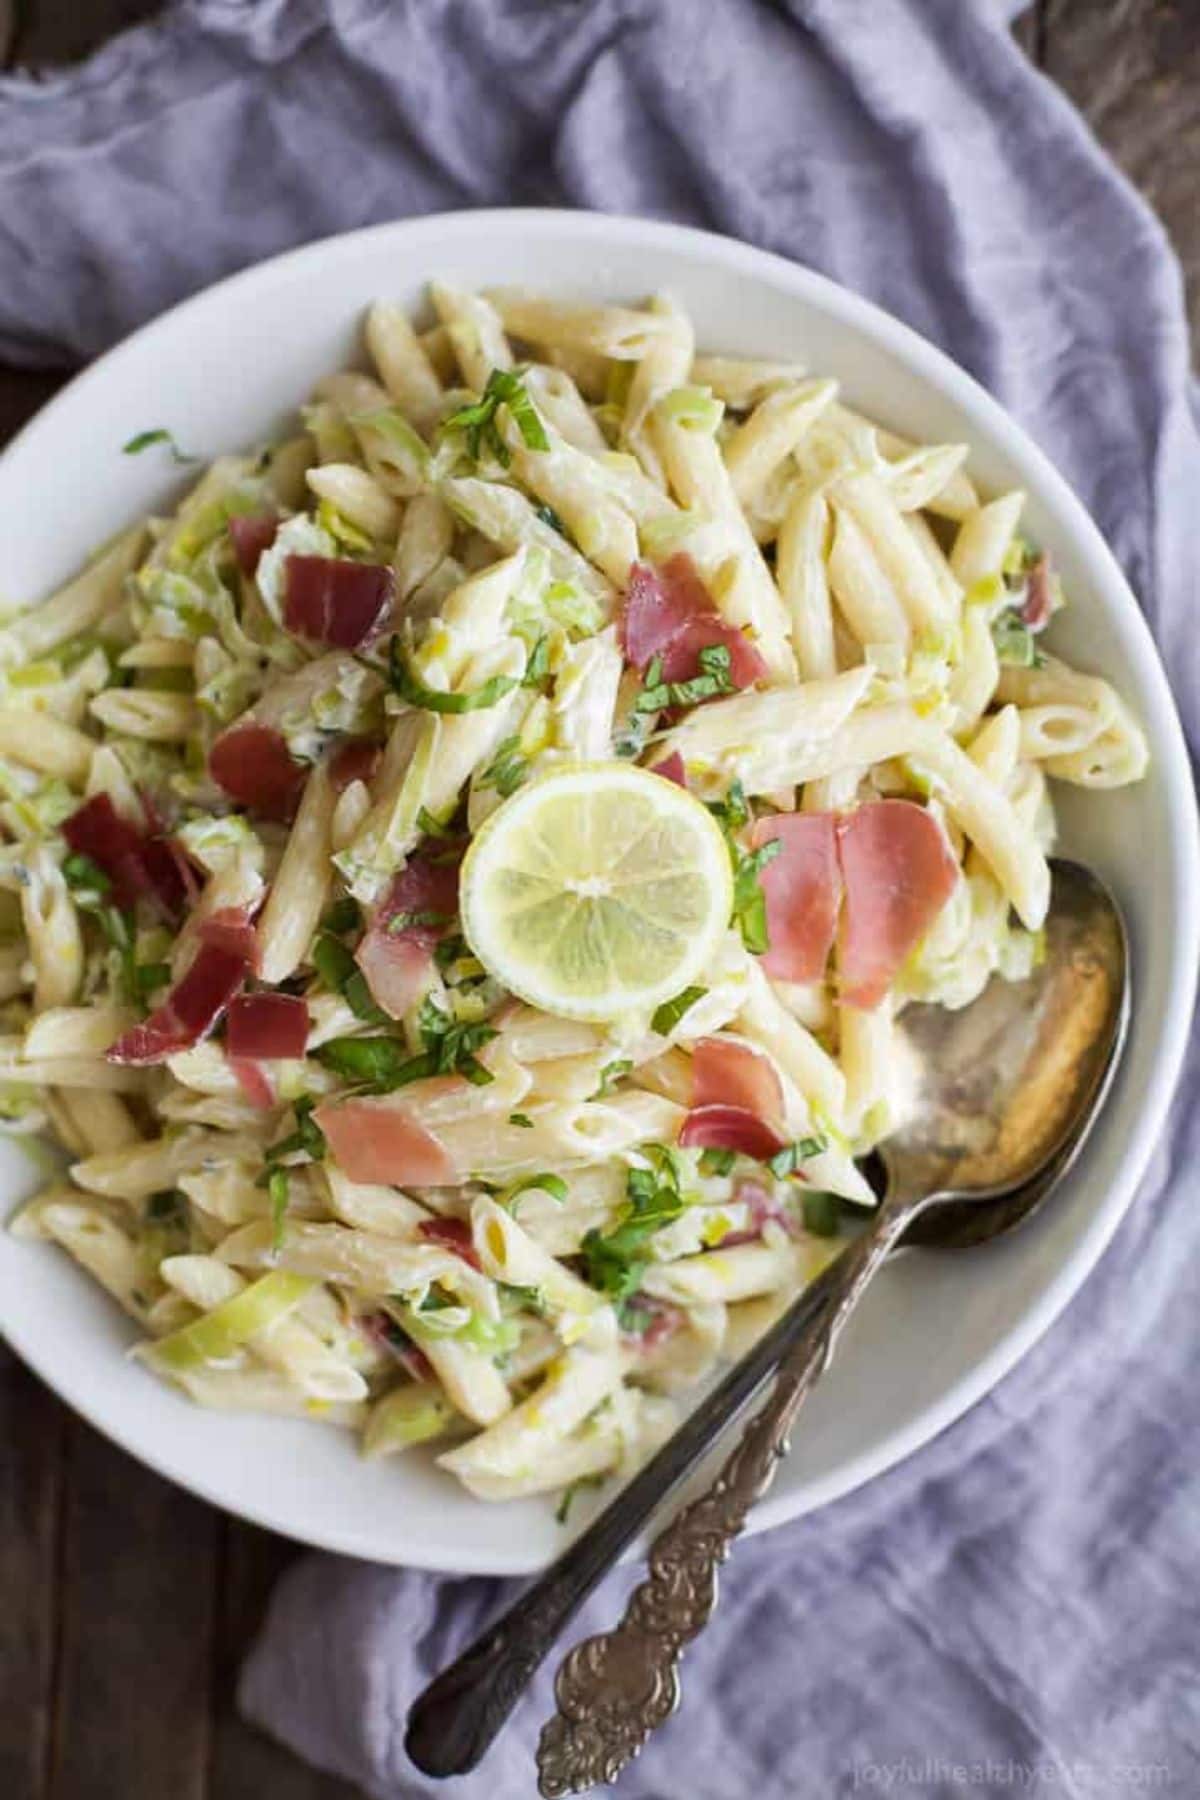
<point x="597" y="891"/>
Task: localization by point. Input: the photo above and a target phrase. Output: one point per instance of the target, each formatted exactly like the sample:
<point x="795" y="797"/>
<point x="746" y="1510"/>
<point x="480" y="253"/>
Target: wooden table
<point x="125" y="1605"/>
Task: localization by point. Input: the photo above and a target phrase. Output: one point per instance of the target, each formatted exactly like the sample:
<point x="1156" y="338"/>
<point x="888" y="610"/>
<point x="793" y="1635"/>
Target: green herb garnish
<point x="785" y="1162"/>
<point x="453" y="1044"/>
<point x="521" y="1119"/>
<point x="449" y="950"/>
<point x="344" y="915"/>
<point x="749" y="902"/>
<point x="144" y="439"/>
<point x="307" y="1139"/>
<point x="717" y="1162"/>
<point x="337" y="968"/>
<point x="554" y="1185"/>
<point x="611" y="1074"/>
<point x="477" y="420"/>
<point x="715" y="678"/>
<point x="667" y="1016"/>
<point x="413" y="690"/>
<point x="614" y="1261"/>
<point x="382" y="1064"/>
<point x="81" y="874"/>
<point x="89" y="885"/>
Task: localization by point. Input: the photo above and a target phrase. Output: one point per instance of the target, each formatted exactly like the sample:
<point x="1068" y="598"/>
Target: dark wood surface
<point x="126" y="1605"/>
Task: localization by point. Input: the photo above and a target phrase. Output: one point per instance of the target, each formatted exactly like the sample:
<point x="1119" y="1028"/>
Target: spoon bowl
<point x="1006" y="1087"/>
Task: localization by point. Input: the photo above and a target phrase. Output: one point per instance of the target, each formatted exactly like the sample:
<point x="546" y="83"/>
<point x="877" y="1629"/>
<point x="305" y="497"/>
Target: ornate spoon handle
<point x="459" y="1714"/>
<point x="614" y="1689"/>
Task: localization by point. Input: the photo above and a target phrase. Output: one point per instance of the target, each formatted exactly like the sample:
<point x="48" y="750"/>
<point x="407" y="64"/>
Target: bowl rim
<point x="989" y="422"/>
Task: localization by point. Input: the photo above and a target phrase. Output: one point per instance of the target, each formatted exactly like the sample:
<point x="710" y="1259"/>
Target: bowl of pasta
<point x="504" y="717"/>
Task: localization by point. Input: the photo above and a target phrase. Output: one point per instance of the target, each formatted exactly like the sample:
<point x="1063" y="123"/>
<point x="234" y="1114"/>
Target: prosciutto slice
<point x="355" y="760"/>
<point x="138" y="866"/>
<point x="395" y="956"/>
<point x="899" y="871"/>
<point x="681" y="658"/>
<point x="802" y="886"/>
<point x="334" y="601"/>
<point x="451" y="1234"/>
<point x="257" y="1087"/>
<point x="254" y="766"/>
<point x="1039" y="596"/>
<point x="726" y="1073"/>
<point x="668" y="613"/>
<point x="229" y="928"/>
<point x="267" y="1027"/>
<point x="376" y="1140"/>
<point x="251" y="534"/>
<point x="671" y="768"/>
<point x="730" y="1128"/>
<point x="189" y="1012"/>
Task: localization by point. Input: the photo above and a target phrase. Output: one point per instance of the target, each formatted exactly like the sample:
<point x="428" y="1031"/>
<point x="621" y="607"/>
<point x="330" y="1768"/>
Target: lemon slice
<point x="599" y="890"/>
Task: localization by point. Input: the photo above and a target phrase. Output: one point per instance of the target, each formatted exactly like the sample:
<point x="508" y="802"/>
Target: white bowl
<point x="225" y="370"/>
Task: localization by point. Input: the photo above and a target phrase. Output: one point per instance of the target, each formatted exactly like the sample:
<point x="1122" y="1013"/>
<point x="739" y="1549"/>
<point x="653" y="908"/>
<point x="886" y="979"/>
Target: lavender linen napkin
<point x="1015" y="1608"/>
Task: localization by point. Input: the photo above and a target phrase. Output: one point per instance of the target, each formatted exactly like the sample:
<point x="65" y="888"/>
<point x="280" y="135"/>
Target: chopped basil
<point x="81" y="873"/>
<point x="610" y="1075"/>
<point x="383" y="1064"/>
<point x="786" y="1161"/>
<point x="337" y="968"/>
<point x="717" y="1162"/>
<point x="521" y="1119"/>
<point x="822" y="1214"/>
<point x="411" y="689"/>
<point x="667" y="1016"/>
<point x="554" y="1185"/>
<point x="749" y="902"/>
<point x="89" y="884"/>
<point x="615" y="1260"/>
<point x="715" y="677"/>
<point x="149" y="977"/>
<point x="144" y="439"/>
<point x="344" y="915"/>
<point x="453" y="1044"/>
<point x="449" y="950"/>
<point x="507" y="769"/>
<point x="477" y="420"/>
<point x="379" y="1063"/>
<point x="306" y="1140"/>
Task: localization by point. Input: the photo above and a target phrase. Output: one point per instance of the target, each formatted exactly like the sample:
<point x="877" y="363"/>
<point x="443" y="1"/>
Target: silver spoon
<point x="1007" y="1089"/>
